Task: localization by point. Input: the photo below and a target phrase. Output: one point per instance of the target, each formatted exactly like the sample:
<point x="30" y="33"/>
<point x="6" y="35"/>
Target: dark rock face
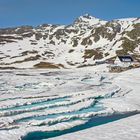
<point x="95" y="53"/>
<point x="10" y="35"/>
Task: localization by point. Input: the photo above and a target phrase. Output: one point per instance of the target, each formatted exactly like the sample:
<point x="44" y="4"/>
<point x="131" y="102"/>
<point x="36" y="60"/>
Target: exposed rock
<point x="48" y="65"/>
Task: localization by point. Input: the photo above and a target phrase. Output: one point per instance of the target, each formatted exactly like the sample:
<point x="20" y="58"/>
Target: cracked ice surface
<point x="49" y="100"/>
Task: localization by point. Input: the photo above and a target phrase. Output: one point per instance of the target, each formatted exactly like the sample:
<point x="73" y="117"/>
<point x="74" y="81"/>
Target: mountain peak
<point x="88" y="16"/>
<point x="89" y="20"/>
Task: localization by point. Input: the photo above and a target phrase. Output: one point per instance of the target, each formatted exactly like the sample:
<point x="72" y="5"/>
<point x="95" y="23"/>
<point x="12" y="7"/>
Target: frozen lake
<point x="41" y="104"/>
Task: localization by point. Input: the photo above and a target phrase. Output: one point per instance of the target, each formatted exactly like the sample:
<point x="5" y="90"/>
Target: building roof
<point x="126" y="58"/>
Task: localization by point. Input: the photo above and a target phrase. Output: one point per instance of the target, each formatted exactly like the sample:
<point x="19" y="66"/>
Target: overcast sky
<point x="35" y="12"/>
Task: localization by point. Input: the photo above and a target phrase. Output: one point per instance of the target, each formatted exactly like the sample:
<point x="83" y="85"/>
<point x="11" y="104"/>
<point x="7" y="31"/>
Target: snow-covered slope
<point x="86" y="40"/>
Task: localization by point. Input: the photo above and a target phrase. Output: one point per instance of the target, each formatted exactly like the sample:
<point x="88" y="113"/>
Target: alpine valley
<point x="48" y="90"/>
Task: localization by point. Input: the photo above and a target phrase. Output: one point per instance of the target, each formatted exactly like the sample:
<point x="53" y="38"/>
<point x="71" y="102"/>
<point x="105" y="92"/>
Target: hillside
<point x="85" y="41"/>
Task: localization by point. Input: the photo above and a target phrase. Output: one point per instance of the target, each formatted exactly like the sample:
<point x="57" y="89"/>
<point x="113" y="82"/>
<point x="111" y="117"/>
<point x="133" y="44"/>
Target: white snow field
<point x="81" y="104"/>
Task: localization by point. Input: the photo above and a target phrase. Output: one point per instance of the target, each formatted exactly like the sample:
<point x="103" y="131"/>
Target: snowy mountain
<point x="85" y="41"/>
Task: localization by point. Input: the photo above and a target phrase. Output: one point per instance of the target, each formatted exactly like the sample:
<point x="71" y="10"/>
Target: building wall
<point x="122" y="64"/>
